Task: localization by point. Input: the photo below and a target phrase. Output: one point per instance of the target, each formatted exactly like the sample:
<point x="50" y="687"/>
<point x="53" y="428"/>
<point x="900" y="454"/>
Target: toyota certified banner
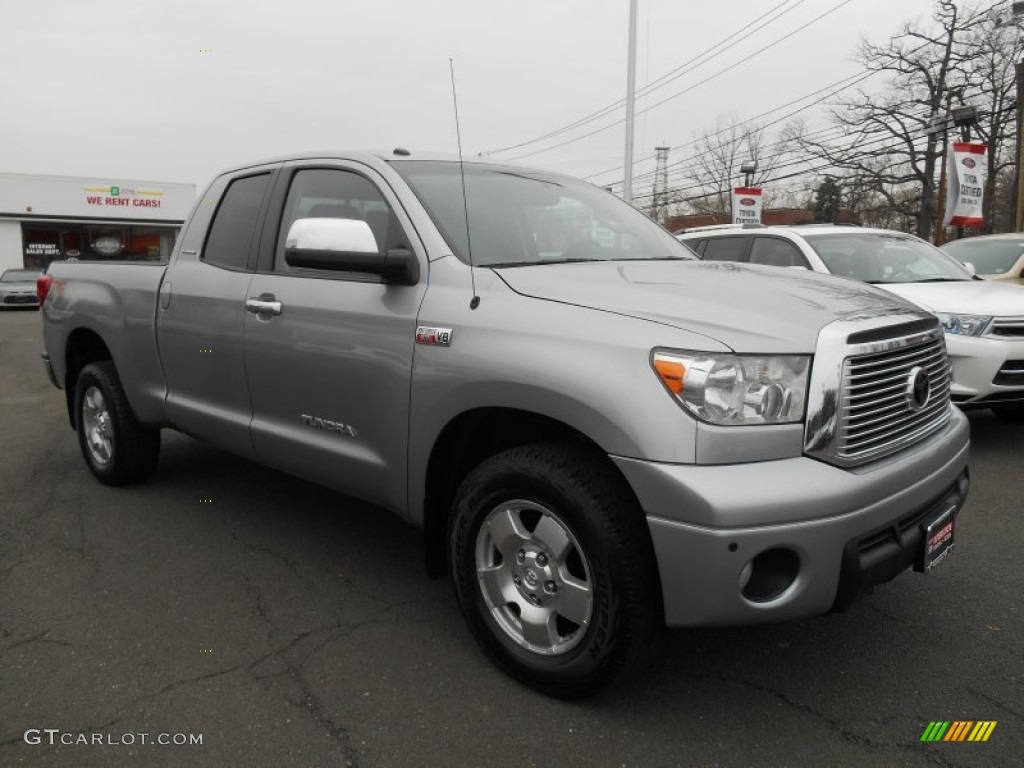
<point x="966" y="171"/>
<point x="746" y="205"/>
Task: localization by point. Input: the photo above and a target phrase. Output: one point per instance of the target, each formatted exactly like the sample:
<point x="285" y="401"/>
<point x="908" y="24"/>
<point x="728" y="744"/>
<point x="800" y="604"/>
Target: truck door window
<point x="327" y="193"/>
<point x="230" y="238"/>
<point x="724" y="249"/>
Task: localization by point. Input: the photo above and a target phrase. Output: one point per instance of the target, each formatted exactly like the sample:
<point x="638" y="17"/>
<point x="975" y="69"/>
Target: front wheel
<point x="553" y="568"/>
<point x="116" y="447"/>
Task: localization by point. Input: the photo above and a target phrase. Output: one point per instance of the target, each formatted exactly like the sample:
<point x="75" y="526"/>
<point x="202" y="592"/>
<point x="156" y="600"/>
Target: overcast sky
<point x="176" y="90"/>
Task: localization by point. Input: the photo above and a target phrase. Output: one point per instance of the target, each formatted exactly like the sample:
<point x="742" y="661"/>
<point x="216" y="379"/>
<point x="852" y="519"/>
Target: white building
<point x="45" y="218"/>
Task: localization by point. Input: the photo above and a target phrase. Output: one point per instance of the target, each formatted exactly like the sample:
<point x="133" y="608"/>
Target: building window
<point x="44" y="244"/>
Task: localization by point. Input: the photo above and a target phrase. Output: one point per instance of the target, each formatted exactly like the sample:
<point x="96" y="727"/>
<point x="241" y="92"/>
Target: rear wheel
<point x="1010" y="412"/>
<point x="116" y="447"/>
<point x="553" y="568"/>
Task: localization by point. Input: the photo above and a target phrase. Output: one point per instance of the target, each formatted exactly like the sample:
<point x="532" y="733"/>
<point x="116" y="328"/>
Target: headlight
<point x="736" y="389"/>
<point x="964" y="325"/>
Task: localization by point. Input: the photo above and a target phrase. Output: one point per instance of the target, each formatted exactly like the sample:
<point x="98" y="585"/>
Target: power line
<point x="858" y="79"/>
<point x="838" y="85"/>
<point x="880" y="145"/>
<point x="653" y="85"/>
<point x="699" y="83"/>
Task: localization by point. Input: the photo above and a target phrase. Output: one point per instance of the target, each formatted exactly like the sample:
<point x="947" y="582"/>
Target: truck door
<point x="201" y="311"/>
<point x="329" y="354"/>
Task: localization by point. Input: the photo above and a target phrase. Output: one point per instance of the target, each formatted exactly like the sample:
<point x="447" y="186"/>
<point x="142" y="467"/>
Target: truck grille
<point x="880" y="412"/>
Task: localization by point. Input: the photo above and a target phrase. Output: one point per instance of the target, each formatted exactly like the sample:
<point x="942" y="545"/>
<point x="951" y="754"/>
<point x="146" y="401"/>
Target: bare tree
<point x="992" y="87"/>
<point x="887" y="143"/>
<point x="714" y="168"/>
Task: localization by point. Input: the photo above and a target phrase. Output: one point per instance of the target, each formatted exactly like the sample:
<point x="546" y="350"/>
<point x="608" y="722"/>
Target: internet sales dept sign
<point x="746" y="205"/>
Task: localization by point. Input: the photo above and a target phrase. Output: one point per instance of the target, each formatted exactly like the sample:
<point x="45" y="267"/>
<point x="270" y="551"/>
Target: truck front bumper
<point x="799" y="536"/>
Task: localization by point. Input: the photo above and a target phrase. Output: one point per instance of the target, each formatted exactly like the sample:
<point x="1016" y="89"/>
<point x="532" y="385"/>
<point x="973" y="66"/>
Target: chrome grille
<point x="1007" y="326"/>
<point x="876" y="412"/>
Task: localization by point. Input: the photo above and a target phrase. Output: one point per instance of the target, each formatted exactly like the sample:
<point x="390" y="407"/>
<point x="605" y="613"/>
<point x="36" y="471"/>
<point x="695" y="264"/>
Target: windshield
<point x="20" y="276"/>
<point x="885" y="257"/>
<point x="528" y="217"/>
<point x="989" y="257"/>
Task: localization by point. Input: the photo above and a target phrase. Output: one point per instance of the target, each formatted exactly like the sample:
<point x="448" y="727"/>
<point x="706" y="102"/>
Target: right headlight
<point x="736" y="389"/>
<point x="964" y="325"/>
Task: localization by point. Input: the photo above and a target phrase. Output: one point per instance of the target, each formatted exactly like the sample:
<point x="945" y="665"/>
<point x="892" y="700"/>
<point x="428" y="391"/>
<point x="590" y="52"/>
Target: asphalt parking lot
<point x="290" y="626"/>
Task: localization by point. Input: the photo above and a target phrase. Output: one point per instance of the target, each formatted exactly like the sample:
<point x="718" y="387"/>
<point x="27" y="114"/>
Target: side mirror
<point x="347" y="245"/>
<point x="970" y="268"/>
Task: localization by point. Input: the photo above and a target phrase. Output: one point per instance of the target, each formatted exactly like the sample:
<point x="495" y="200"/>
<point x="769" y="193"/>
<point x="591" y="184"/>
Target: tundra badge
<point x="330" y="426"/>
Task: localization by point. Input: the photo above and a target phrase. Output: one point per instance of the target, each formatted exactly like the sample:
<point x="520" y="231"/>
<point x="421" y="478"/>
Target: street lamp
<point x="964" y="117"/>
<point x="748" y="169"/>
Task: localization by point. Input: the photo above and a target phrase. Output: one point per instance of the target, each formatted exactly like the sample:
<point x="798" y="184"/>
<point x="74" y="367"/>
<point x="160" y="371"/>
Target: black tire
<point x="606" y="549"/>
<point x="1012" y="412"/>
<point x="117" y="449"/>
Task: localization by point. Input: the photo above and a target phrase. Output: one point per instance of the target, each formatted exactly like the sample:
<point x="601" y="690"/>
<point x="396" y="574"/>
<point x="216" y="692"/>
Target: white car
<point x="18" y="288"/>
<point x="984" y="320"/>
<point x="994" y="257"/>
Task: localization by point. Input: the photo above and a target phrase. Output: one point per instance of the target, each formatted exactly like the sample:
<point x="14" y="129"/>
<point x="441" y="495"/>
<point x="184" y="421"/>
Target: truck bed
<point x="115" y="301"/>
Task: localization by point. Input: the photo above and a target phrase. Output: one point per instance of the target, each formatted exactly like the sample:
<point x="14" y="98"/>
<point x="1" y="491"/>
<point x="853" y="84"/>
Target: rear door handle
<point x="264" y="304"/>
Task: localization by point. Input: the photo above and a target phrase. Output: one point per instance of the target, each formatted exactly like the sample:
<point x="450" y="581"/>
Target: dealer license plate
<point x="938" y="539"/>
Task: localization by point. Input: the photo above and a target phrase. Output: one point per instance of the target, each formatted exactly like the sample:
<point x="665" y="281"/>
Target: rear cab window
<point x="229" y="242"/>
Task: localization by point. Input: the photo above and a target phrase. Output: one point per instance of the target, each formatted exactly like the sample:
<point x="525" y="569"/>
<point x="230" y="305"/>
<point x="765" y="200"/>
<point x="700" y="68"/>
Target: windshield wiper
<point x="942" y="280"/>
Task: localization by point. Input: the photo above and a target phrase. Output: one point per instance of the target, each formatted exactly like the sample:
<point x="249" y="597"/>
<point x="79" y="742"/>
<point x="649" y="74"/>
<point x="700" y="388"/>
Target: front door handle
<point x="264" y="304"/>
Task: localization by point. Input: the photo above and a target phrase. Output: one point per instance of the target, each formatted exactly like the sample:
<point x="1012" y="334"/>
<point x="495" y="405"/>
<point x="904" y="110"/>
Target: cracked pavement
<point x="291" y="626"/>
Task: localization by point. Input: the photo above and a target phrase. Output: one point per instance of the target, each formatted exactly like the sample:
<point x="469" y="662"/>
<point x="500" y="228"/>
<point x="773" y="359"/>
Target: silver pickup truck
<point x="598" y="434"/>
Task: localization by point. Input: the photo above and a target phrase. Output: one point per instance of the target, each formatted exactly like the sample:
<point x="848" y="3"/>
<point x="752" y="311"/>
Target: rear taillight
<point x="43" y="283"/>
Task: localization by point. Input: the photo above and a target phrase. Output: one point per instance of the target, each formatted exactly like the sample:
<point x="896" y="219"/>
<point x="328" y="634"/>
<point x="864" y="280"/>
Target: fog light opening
<point x="769" y="574"/>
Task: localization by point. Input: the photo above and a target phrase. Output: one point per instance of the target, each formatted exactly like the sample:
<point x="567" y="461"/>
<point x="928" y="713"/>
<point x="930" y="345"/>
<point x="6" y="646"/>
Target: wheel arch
<point x="83" y="346"/>
<point x="472" y="437"/>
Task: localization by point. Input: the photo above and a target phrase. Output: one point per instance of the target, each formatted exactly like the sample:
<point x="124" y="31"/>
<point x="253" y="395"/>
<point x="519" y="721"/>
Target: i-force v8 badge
<point x="441" y="337"/>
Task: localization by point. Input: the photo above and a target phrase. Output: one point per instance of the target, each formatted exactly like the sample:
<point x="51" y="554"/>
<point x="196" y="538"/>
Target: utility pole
<point x="1018" y="188"/>
<point x="940" y="125"/>
<point x="627" y="184"/>
<point x="660" y="191"/>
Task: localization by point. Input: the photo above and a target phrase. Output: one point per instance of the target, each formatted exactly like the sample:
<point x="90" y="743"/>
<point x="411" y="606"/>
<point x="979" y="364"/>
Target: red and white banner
<point x="746" y="205"/>
<point x="966" y="172"/>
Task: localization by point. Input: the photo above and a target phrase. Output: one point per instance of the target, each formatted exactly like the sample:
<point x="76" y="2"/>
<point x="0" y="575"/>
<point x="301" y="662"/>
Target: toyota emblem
<point x="919" y="389"/>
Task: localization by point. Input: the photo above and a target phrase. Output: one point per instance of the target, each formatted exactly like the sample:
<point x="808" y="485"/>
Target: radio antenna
<point x="475" y="301"/>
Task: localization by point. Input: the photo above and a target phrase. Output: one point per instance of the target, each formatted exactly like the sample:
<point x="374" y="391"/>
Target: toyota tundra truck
<point x="598" y="434"/>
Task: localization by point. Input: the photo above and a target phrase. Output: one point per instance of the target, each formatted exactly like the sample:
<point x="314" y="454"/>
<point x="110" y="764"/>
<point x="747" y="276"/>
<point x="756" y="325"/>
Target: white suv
<point x="984" y="321"/>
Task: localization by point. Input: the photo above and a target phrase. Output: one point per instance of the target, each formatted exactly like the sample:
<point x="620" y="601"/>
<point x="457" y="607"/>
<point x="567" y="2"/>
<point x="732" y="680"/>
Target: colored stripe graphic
<point x="935" y="730"/>
<point x="958" y="730"/>
<point x="982" y="730"/>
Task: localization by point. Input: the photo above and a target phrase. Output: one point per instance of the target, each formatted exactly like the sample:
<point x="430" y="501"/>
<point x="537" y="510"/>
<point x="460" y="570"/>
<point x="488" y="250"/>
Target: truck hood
<point x="749" y="308"/>
<point x="967" y="297"/>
